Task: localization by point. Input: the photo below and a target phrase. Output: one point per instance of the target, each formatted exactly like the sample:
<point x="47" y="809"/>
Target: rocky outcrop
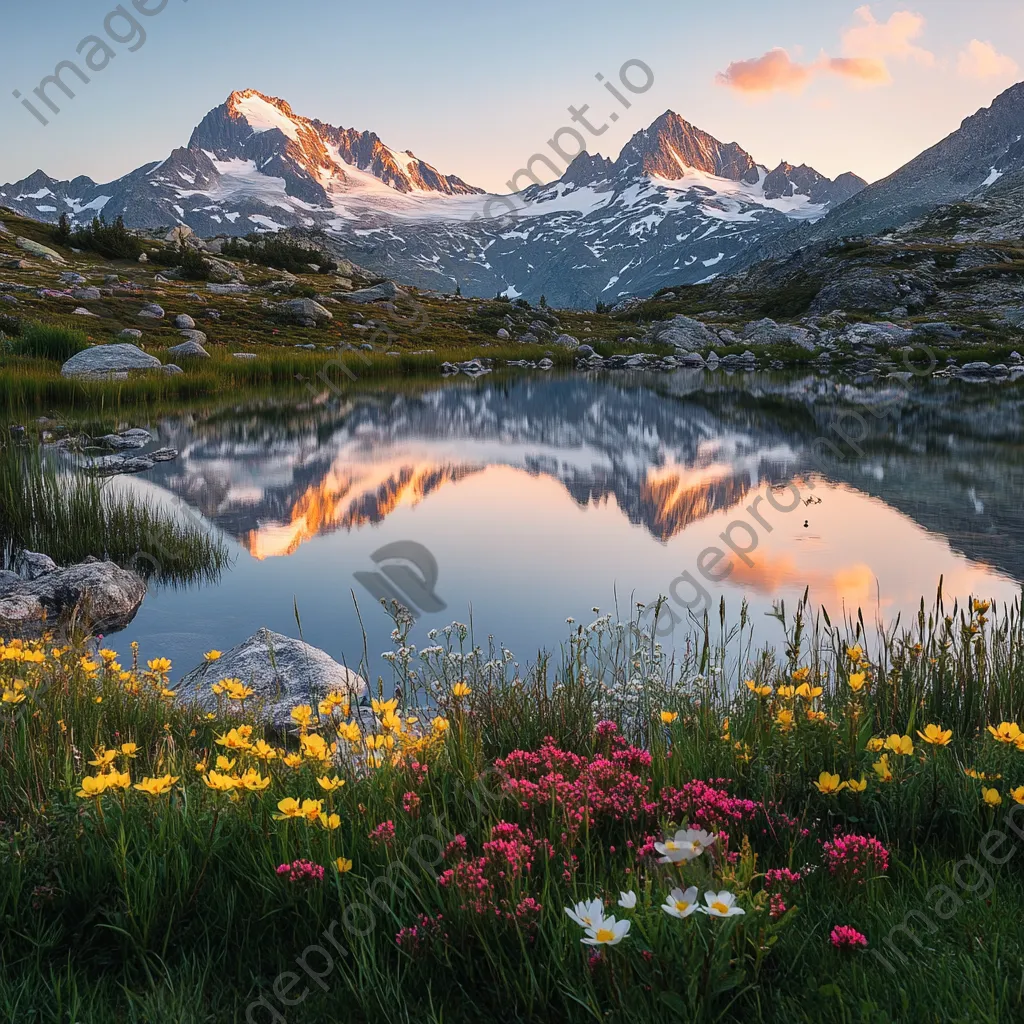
<point x="98" y="595"/>
<point x="282" y="671"/>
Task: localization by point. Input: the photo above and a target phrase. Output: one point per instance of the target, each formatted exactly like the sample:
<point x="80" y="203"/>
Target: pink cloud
<point x="773" y="71"/>
<point x="896" y="37"/>
<point x="983" y="60"/>
<point x="868" y="70"/>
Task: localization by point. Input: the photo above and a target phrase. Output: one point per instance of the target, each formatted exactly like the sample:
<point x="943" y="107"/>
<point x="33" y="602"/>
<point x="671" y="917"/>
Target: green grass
<point x="45" y="341"/>
<point x="127" y="908"/>
<point x="68" y="515"/>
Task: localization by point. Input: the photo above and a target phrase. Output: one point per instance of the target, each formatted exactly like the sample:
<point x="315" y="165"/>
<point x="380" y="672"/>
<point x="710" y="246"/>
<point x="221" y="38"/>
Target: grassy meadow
<point x="831" y="833"/>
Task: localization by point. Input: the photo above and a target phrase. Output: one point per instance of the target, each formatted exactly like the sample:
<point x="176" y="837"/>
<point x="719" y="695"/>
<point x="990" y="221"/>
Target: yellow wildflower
<point x="156" y="787"/>
<point x="1017" y="795"/>
<point x="991" y="797"/>
<point x="875" y="744"/>
<point x="439" y="724"/>
<point x="302" y="715"/>
<point x="382" y="707"/>
<point x="289" y="807"/>
<point x="225" y="764"/>
<point x="293" y="760"/>
<point x="900" y="744"/>
<point x="857" y="787"/>
<point x="784" y="719"/>
<point x="669" y="717"/>
<point x="1006" y="732"/>
<point x="882" y="769"/>
<point x="263" y="750"/>
<point x="129" y="750"/>
<point x="461" y="690"/>
<point x="219" y="782"/>
<point x="92" y="786"/>
<point x="212" y="655"/>
<point x="857" y="681"/>
<point x="104" y="758"/>
<point x="329" y="821"/>
<point x="159" y="665"/>
<point x="758" y="689"/>
<point x="330" y="784"/>
<point x="343" y="864"/>
<point x="935" y="735"/>
<point x="829" y="784"/>
<point x="786" y="692"/>
<point x="253" y="781"/>
<point x="808" y="692"/>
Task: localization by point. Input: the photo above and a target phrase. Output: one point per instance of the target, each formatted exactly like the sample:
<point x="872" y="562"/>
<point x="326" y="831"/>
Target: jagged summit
<point x="672" y="146"/>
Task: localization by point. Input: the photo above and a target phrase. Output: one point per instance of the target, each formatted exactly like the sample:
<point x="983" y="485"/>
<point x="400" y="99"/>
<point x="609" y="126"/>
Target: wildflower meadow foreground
<point x="625" y="833"/>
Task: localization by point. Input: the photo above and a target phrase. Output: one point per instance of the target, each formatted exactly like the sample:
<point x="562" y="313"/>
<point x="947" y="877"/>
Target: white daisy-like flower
<point x="627" y="900"/>
<point x="686" y="845"/>
<point x="721" y="904"/>
<point x="588" y="913"/>
<point x="607" y="932"/>
<point x="681" y="904"/>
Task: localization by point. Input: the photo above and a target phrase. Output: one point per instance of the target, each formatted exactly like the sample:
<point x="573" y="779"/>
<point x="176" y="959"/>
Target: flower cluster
<point x="301" y="871"/>
<point x="845" y="937"/>
<point x="855" y="858"/>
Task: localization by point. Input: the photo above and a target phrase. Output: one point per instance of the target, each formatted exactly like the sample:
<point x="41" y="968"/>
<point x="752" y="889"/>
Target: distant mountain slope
<point x="987" y="146"/>
<point x="676" y="206"/>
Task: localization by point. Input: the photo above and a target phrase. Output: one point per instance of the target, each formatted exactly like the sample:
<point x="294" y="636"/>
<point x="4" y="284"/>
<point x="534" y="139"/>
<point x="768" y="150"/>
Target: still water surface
<point x="541" y="498"/>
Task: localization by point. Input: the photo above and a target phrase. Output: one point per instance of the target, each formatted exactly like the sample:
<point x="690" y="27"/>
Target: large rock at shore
<point x="685" y="333"/>
<point x="101" y="596"/>
<point x="284" y="673"/>
<point x="103" y="359"/>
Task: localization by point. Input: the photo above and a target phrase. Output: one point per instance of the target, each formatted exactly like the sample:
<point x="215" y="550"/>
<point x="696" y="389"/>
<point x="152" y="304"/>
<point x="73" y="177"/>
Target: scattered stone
<point x="42" y="251"/>
<point x="125" y="441"/>
<point x="184" y="322"/>
<point x="387" y="290"/>
<point x="71" y="277"/>
<point x="234" y="288"/>
<point x="152" y="311"/>
<point x="199" y="337"/>
<point x="691" y="360"/>
<point x="171" y="369"/>
<point x="282" y="671"/>
<point x="105" y="359"/>
<point x="101" y="596"/>
<point x="304" y="312"/>
<point x="545" y="364"/>
<point x="585" y="351"/>
<point x="768" y="332"/>
<point x="91" y="294"/>
<point x="503" y="334"/>
<point x="81" y="311"/>
<point x="130" y="332"/>
<point x="189" y="349"/>
<point x="567" y="341"/>
<point x="244" y="355"/>
<point x="164" y="455"/>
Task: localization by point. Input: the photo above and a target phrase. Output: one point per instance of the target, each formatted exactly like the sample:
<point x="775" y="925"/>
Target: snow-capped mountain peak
<point x="676" y="205"/>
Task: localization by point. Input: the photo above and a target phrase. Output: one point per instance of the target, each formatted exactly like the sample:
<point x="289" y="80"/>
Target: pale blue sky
<point x="476" y="88"/>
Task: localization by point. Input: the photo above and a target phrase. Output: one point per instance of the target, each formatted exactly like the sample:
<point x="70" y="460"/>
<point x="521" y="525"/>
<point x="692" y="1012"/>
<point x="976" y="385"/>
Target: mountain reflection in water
<point x="541" y="497"/>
